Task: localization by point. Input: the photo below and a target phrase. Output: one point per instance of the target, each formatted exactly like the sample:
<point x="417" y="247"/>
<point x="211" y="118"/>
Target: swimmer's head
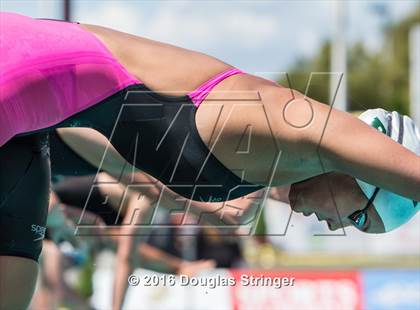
<point x="333" y="197"/>
<point x="343" y="201"/>
<point x="394" y="210"/>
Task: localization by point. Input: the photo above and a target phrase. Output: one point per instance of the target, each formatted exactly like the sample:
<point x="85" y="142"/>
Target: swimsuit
<point x="56" y="74"/>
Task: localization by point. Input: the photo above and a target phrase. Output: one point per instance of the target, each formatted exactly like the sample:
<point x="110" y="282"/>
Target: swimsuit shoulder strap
<point x="197" y="96"/>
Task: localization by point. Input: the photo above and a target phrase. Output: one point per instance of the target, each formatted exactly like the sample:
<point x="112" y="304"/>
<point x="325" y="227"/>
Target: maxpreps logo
<point x="39" y="232"/>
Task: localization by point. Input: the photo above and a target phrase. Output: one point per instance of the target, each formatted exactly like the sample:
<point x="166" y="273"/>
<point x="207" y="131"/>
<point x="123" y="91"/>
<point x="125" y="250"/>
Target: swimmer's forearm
<point x="122" y="270"/>
<point x="173" y="202"/>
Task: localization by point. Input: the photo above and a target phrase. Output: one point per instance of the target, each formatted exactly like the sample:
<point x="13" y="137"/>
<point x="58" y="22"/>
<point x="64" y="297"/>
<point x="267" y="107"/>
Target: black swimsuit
<point x="161" y="128"/>
<point x="158" y="135"/>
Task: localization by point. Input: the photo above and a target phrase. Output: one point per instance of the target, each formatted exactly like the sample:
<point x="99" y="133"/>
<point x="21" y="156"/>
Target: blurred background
<point x="373" y="49"/>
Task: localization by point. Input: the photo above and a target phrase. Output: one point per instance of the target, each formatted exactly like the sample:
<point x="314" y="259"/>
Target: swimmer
<point x="330" y="196"/>
<point x="208" y="131"/>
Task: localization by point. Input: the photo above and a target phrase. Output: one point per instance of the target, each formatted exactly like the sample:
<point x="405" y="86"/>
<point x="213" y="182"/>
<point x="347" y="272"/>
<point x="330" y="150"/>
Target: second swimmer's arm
<point x="152" y="253"/>
<point x="124" y="266"/>
<point x="127" y="245"/>
<point x="345" y="144"/>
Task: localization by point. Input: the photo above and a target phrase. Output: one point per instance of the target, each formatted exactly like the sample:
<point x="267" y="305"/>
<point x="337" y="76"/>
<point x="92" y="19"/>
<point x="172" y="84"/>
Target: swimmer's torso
<point x="64" y="74"/>
<point x="232" y="120"/>
<point x="57" y="74"/>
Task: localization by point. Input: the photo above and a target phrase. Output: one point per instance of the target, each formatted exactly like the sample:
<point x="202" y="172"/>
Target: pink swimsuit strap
<point x="197" y="96"/>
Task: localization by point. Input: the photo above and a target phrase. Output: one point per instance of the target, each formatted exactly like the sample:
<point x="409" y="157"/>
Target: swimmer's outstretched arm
<point x="341" y="142"/>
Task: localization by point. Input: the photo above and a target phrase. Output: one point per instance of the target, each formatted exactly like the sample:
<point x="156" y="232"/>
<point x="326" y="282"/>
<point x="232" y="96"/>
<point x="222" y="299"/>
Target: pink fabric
<point x="197" y="96"/>
<point x="49" y="71"/>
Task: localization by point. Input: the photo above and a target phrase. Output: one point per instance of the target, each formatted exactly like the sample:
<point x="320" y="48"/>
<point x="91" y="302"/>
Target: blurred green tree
<point x="375" y="79"/>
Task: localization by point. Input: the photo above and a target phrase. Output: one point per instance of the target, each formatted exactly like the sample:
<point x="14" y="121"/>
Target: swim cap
<point x="394" y="210"/>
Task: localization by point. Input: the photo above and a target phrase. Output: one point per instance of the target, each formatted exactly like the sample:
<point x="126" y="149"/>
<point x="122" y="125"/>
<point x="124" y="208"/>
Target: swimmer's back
<point x="164" y="68"/>
<point x="49" y="71"/>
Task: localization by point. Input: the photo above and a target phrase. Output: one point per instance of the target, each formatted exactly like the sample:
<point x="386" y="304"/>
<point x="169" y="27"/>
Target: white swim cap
<point x="393" y="209"/>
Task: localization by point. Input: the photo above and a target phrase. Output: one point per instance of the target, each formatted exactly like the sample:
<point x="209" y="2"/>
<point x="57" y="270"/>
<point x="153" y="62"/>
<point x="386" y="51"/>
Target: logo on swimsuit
<point x="211" y="199"/>
<point x="39" y="232"/>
